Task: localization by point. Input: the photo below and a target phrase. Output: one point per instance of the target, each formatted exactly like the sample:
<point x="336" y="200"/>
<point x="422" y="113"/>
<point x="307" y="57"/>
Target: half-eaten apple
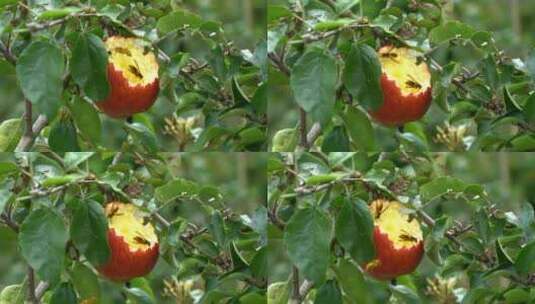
<point x="398" y="241"/>
<point x="132" y="75"/>
<point x="133" y="243"/>
<point x="406" y="85"/>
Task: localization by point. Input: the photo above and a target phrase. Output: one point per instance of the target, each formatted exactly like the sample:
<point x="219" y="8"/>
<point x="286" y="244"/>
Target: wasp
<point x="391" y="55"/>
<point x="114" y="211"/>
<point x="141" y="240"/>
<point x="135" y="70"/>
<point x="412" y="83"/>
<point x="406" y="237"/>
<point x="123" y="51"/>
<point x="379" y="209"/>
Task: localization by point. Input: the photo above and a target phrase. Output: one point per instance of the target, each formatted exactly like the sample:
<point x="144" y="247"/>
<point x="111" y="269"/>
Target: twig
<point x="7" y="53"/>
<point x="279" y="63"/>
<point x="303" y="128"/>
<point x="35" y="27"/>
<point x="295" y="297"/>
<point x="314" y="133"/>
<point x="31" y="287"/>
<point x="41" y="289"/>
<point x="26" y="141"/>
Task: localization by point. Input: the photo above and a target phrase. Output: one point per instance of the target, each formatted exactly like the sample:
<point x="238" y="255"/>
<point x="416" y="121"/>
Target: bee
<point x="141" y="240"/>
<point x="412" y="83"/>
<point x="406" y="237"/>
<point x="135" y="70"/>
<point x="114" y="212"/>
<point x="379" y="209"/>
<point x="123" y="51"/>
<point x="146" y="220"/>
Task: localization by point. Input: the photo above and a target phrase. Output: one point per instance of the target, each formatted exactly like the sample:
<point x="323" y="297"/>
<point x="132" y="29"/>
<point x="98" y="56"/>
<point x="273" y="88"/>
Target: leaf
<point x="63" y="137"/>
<point x="353" y="283"/>
<point x="450" y="30"/>
<point x="89" y="66"/>
<point x="216" y="59"/>
<point x="40" y="70"/>
<point x="278" y="293"/>
<point x="58" y="13"/>
<point x="6" y="187"/>
<point x="175" y="189"/>
<point x="64" y="294"/>
<point x="138" y="295"/>
<point x="85" y="282"/>
<point x="359" y="128"/>
<point x="89" y="231"/>
<point x="362" y="75"/>
<point x="144" y="135"/>
<point x="177" y="20"/>
<point x="313" y="80"/>
<point x="87" y="119"/>
<point x="354" y="230"/>
<point x="307" y="238"/>
<point x="10" y="134"/>
<point x="405" y="294"/>
<point x="440" y="186"/>
<point x="336" y="141"/>
<point x="328" y="293"/>
<point x="525" y="261"/>
<point x="42" y="239"/>
<point x="73" y="160"/>
<point x="284" y="140"/>
<point x="217" y="228"/>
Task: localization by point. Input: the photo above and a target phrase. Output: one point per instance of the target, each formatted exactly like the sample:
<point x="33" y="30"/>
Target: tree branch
<point x="31" y="287"/>
<point x="26" y="141"/>
<point x="303" y="128"/>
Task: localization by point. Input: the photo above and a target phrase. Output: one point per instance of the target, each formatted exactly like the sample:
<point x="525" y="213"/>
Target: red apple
<point x="133" y="243"/>
<point x="398" y="241"/>
<point x="133" y="78"/>
<point x="406" y="85"/>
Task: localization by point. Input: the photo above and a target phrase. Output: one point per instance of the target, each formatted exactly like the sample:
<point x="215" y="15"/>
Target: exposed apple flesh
<point x="133" y="243"/>
<point x="133" y="78"/>
<point x="398" y="241"/>
<point x="406" y="85"/>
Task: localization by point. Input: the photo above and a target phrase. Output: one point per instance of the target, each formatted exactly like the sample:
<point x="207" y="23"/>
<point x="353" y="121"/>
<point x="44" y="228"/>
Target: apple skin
<point x="393" y="262"/>
<point x="398" y="109"/>
<point x="125" y="100"/>
<point x="392" y="223"/>
<point x="123" y="264"/>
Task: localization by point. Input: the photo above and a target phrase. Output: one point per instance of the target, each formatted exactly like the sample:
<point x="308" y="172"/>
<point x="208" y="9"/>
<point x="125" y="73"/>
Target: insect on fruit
<point x="135" y="70"/>
<point x="405" y="236"/>
<point x="379" y="209"/>
<point x="123" y="51"/>
<point x="141" y="240"/>
<point x="114" y="211"/>
<point x="412" y="83"/>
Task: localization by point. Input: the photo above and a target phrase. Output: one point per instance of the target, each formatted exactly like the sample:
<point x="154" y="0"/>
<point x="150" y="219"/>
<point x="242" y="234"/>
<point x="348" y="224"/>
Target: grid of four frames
<point x="279" y="151"/>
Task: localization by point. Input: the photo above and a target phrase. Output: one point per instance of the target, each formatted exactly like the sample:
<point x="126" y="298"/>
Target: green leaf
<point x="405" y="294"/>
<point x="217" y="228"/>
<point x="278" y="293"/>
<point x="85" y="282"/>
<point x="144" y="135"/>
<point x="354" y="230"/>
<point x="216" y="59"/>
<point x="525" y="261"/>
<point x="58" y="13"/>
<point x="177" y="20"/>
<point x="42" y="239"/>
<point x="440" y="186"/>
<point x="89" y="231"/>
<point x="6" y="188"/>
<point x="517" y="296"/>
<point x="63" y="137"/>
<point x="450" y="30"/>
<point x="362" y="75"/>
<point x="40" y="70"/>
<point x="284" y="140"/>
<point x="360" y="129"/>
<point x="13" y="294"/>
<point x="89" y="64"/>
<point x="313" y="80"/>
<point x="175" y="189"/>
<point x="87" y="119"/>
<point x="138" y="295"/>
<point x="353" y="283"/>
<point x="336" y="141"/>
<point x="307" y="238"/>
<point x="328" y="293"/>
<point x="10" y="134"/>
<point x="73" y="160"/>
<point x="64" y="294"/>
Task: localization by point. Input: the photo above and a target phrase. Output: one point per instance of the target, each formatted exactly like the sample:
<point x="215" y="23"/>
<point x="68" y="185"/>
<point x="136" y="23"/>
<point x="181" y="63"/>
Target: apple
<point x="133" y="243"/>
<point x="406" y="86"/>
<point x="133" y="78"/>
<point x="398" y="241"/>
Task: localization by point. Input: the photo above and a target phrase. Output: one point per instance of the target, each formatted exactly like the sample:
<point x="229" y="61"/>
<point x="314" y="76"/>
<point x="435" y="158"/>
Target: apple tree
<point x="327" y="74"/>
<point x="211" y="238"/>
<point x="205" y="92"/>
<point x="478" y="238"/>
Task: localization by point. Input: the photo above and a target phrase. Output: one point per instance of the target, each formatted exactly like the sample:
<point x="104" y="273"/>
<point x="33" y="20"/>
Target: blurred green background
<point x="243" y="22"/>
<point x="507" y="177"/>
<point x="241" y="178"/>
<point x="511" y="21"/>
